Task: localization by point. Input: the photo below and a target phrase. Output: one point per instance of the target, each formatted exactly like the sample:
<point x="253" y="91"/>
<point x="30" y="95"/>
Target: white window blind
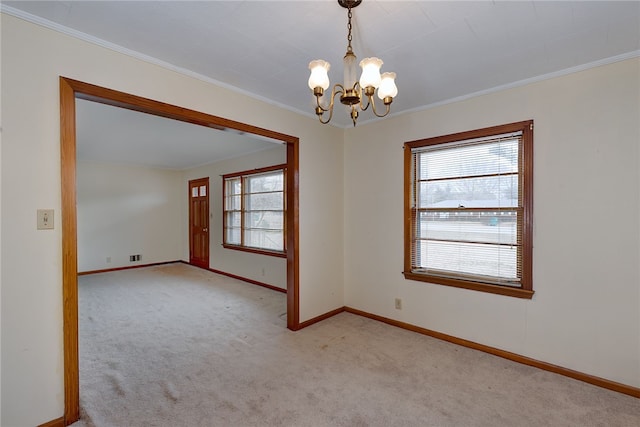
<point x="467" y="209"/>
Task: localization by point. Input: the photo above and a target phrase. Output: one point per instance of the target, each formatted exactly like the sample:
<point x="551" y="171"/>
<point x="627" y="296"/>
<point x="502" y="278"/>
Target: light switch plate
<point x="45" y="219"/>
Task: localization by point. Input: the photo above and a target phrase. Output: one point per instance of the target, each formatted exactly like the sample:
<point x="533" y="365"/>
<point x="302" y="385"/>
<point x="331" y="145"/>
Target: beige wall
<point x="31" y="279"/>
<point x="127" y="210"/>
<point x="263" y="268"/>
<point x="584" y="316"/>
<point x="585" y="312"/>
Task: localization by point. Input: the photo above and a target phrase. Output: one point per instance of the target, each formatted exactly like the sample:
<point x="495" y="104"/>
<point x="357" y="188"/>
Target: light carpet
<point x="174" y="345"/>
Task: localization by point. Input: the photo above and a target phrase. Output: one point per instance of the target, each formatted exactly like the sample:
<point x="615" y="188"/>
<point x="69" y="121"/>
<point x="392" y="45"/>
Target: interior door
<point x="199" y="222"/>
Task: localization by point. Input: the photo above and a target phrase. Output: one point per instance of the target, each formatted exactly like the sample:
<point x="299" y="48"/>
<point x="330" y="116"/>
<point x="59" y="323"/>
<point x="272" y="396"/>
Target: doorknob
<point x="205" y="229"/>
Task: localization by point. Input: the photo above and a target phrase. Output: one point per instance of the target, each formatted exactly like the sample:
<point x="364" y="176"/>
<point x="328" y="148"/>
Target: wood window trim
<point x="525" y="291"/>
<point x="243" y="248"/>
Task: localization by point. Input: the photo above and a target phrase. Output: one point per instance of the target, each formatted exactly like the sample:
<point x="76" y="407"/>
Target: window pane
<point x="232" y="203"/>
<point x="233" y="236"/>
<point x="468" y="160"/>
<point x="264" y="219"/>
<point x="254" y="210"/>
<point x="264" y="201"/>
<point x="265" y="239"/>
<point x="194" y="192"/>
<point x="491" y="191"/>
<point x="233" y="219"/>
<point x="484" y="227"/>
<point x="233" y="186"/>
<point x="203" y="190"/>
<point x="273" y="181"/>
<point x="474" y="259"/>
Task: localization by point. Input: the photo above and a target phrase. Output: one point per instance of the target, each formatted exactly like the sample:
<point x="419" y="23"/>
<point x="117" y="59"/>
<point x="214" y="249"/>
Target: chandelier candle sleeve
<point x="319" y="76"/>
<point x="387" y="89"/>
<point x="370" y="72"/>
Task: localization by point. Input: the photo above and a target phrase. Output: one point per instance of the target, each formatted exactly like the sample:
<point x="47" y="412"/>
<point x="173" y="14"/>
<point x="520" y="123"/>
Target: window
<point x="468" y="209"/>
<point x="254" y="210"/>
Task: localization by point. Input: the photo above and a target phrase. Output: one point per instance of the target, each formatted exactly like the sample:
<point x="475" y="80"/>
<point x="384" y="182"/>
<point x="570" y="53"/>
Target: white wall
<point x="33" y="58"/>
<point x="262" y="268"/>
<point x="127" y="210"/>
<point x="584" y="316"/>
<point x="585" y="312"/>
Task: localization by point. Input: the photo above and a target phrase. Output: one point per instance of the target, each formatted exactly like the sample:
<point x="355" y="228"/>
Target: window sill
<point x="465" y="284"/>
<point x="278" y="254"/>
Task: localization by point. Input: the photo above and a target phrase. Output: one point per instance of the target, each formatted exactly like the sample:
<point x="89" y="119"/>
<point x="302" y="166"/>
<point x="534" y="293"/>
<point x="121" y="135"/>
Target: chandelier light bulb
<point x="319" y="74"/>
<point x="387" y="87"/>
<point x="370" y="72"/>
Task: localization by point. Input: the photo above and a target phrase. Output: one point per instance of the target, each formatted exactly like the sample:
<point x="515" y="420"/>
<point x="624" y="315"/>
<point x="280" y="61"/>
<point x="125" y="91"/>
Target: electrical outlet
<point x="108" y="259"/>
<point x="398" y="304"/>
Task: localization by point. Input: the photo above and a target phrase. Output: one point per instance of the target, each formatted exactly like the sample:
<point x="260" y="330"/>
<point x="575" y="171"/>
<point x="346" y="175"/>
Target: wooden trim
<point x="408" y="211"/>
<point x="116" y="98"/>
<point x="256" y="171"/>
<point x="292" y="218"/>
<point x="108" y="270"/>
<point x="70" y="90"/>
<point x="254" y="250"/>
<point x="580" y="376"/>
<point x="69" y="252"/>
<point x="322" y="317"/>
<point x="525" y="221"/>
<point x="527" y="216"/>
<point x="244" y="279"/>
<point x="247" y="174"/>
<point x="58" y="422"/>
<point x="467" y="284"/>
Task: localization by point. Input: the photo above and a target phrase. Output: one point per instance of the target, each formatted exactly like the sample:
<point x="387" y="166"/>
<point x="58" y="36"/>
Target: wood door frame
<point x="203" y="180"/>
<point x="70" y="90"/>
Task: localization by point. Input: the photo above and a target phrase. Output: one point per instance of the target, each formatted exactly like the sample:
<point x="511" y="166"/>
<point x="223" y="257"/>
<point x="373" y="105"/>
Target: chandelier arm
<point x="324" y="122"/>
<point x="365" y="107"/>
<point x="320" y="110"/>
<point x="373" y="108"/>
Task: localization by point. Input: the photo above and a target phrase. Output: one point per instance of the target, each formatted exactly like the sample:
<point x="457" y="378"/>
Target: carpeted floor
<point x="174" y="345"/>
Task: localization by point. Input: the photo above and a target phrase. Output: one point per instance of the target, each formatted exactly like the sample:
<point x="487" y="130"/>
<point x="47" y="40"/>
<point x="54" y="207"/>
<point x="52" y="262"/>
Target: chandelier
<point x="351" y="90"/>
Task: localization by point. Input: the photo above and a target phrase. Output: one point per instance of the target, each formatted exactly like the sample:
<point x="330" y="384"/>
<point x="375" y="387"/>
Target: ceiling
<point x="116" y="135"/>
<point x="440" y="50"/>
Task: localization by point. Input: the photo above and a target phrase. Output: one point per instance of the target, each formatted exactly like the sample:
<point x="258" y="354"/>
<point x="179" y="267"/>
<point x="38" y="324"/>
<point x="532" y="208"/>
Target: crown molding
<point x="146" y="58"/>
<point x="17" y="13"/>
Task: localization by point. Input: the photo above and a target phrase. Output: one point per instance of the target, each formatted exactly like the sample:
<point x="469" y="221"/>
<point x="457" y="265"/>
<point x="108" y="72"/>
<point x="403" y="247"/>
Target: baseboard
<point x="58" y="422"/>
<point x="597" y="381"/>
<point x="128" y="267"/>
<point x="321" y="317"/>
<point x="244" y="279"/>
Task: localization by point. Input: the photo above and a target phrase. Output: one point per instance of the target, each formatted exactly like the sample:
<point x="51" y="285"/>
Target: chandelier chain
<point x="349" y="27"/>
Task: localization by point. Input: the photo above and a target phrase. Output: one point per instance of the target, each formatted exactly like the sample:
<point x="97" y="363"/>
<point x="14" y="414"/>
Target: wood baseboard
<point x="244" y="279"/>
<point x="107" y="270"/>
<point x="58" y="422"/>
<point x="591" y="379"/>
<point x="322" y="317"/>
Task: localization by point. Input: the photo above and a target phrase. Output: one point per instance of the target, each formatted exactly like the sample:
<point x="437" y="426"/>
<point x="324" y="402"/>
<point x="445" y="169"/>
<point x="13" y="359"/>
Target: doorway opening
<point x="70" y="90"/>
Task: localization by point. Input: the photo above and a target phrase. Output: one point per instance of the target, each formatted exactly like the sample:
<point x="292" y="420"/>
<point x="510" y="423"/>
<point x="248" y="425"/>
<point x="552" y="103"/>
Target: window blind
<point x="467" y="209"/>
